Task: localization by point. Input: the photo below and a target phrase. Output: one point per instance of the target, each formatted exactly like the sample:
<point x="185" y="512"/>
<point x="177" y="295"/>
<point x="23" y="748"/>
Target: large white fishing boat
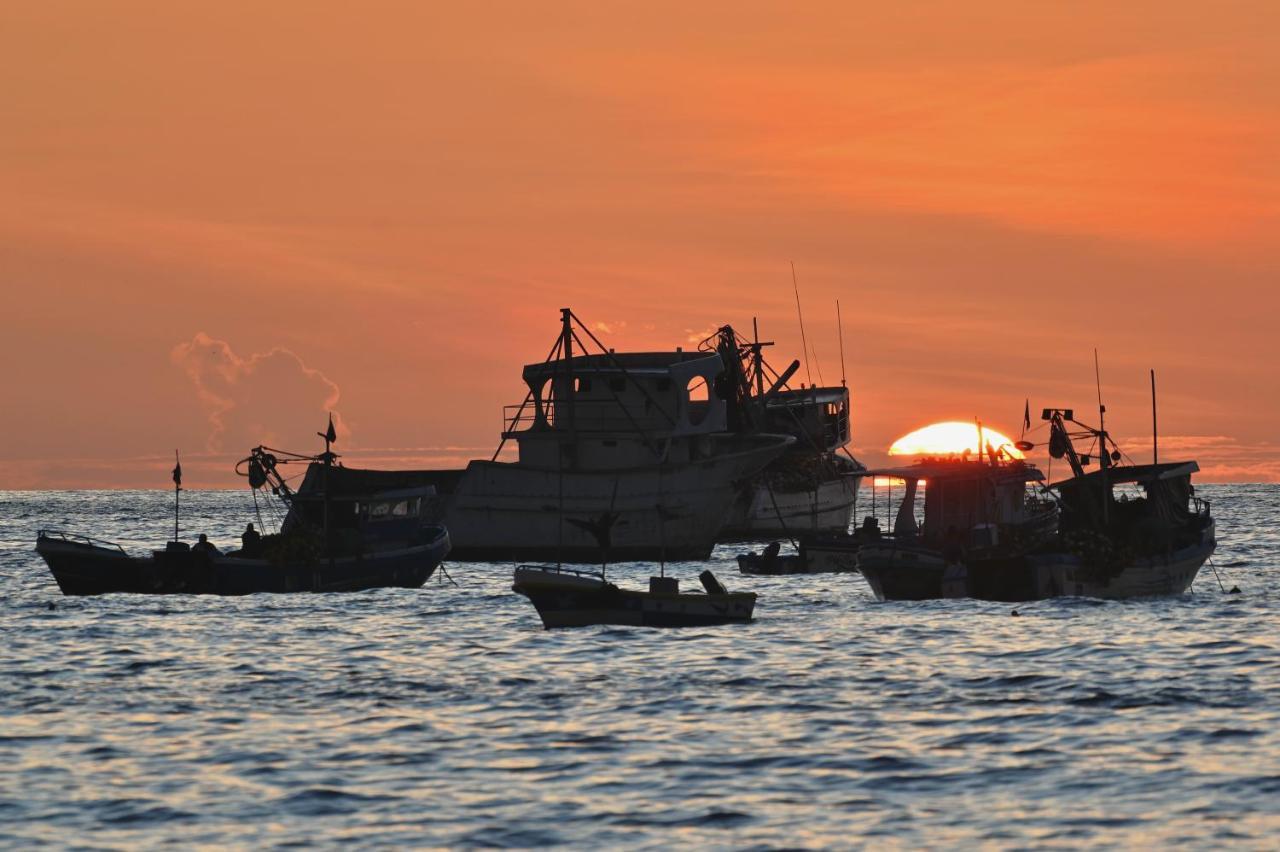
<point x="621" y="456"/>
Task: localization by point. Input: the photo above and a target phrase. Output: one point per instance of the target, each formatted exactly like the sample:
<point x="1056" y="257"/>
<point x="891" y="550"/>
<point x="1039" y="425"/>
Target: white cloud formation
<point x="264" y="398"/>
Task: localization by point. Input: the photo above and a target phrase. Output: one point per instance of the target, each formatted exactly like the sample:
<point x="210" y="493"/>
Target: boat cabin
<point x="1149" y="507"/>
<point x="617" y="410"/>
<point x="817" y="417"/>
<point x="366" y="509"/>
<point x="965" y="501"/>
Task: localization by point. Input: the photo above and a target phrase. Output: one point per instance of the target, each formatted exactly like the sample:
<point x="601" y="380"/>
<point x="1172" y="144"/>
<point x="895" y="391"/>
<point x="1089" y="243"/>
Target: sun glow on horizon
<point x="951" y="437"/>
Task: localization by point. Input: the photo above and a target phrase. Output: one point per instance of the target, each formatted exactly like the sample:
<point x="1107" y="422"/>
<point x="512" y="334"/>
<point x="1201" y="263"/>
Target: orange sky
<point x="216" y="222"/>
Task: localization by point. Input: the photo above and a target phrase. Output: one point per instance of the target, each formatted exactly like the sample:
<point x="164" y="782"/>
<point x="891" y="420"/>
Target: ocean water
<point x="445" y="716"/>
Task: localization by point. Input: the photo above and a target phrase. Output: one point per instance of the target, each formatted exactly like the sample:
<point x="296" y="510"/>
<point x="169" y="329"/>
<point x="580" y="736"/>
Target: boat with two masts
<point x="1126" y="530"/>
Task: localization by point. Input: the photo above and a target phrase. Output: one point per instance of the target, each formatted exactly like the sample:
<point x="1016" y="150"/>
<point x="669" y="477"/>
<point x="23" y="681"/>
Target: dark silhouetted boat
<point x="1126" y="530"/>
<point x="345" y="530"/>
<point x="577" y="598"/>
<point x="979" y="520"/>
<point x="822" y="553"/>
<point x="571" y="598"/>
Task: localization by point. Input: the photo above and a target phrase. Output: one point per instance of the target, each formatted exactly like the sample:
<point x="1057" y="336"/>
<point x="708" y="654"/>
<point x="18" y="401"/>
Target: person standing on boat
<point x="250" y="541"/>
<point x="206" y="546"/>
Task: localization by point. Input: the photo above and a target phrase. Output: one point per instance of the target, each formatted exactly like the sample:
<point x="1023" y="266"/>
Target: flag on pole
<point x="177" y="470"/>
<point x="331" y="435"/>
<point x="1026" y="417"/>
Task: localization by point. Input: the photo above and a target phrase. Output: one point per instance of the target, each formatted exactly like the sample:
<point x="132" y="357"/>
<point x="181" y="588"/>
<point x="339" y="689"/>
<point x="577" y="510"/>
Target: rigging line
<point x="645" y="436"/>
<point x="1215" y="574"/>
<point x="844" y="379"/>
<point x="804" y="344"/>
<point x="528" y="396"/>
<point x="769" y="487"/>
<point x="608" y="353"/>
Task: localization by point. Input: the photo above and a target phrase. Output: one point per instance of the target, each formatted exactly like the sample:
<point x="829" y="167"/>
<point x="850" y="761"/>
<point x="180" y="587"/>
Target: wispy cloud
<point x="255" y="398"/>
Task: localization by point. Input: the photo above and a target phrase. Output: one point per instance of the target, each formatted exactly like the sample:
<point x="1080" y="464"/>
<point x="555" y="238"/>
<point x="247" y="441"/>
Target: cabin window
<point x="582" y="385"/>
<point x="698" y="389"/>
<point x="386" y="509"/>
<point x="699" y="399"/>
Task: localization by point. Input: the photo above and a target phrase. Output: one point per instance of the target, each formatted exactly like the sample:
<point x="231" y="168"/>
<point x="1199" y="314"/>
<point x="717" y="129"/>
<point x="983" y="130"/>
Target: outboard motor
<point x="711" y="584"/>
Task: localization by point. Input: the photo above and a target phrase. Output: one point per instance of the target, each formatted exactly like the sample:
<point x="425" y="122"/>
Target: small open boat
<point x="572" y="598"/>
<point x="822" y="553"/>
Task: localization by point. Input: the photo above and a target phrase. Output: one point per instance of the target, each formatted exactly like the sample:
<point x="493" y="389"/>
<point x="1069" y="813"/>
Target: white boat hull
<point x="501" y="511"/>
<point x="830" y="507"/>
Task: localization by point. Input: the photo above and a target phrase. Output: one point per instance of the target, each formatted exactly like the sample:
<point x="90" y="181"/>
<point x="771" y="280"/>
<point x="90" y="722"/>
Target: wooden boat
<point x="345" y="530"/>
<point x="572" y="598"/>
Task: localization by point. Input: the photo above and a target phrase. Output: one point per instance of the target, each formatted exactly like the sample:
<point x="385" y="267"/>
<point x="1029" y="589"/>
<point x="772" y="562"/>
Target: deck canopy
<point x="1139" y="473"/>
<point x="940" y="469"/>
<point x="356" y="484"/>
<point x="637" y="364"/>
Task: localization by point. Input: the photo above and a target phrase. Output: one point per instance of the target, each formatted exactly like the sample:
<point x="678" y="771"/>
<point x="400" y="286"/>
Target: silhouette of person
<point x="206" y="546"/>
<point x="250" y="541"/>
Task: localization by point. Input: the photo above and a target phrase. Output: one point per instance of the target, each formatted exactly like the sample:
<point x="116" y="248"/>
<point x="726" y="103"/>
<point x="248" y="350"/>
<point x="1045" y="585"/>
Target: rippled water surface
<point x="447" y="716"/>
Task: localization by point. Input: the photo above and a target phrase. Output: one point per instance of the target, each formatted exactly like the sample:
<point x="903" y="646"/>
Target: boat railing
<point x="76" y="538"/>
<point x="594" y="574"/>
<point x="589" y="415"/>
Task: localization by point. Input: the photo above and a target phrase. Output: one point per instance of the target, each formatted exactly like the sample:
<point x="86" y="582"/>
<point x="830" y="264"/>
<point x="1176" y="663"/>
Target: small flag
<point x="177" y="470"/>
<point x="331" y="435"/>
<point x="1026" y="417"/>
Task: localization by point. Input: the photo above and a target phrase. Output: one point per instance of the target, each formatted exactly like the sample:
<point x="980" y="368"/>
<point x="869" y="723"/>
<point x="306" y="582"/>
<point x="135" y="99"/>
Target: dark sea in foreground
<point x="446" y="716"/>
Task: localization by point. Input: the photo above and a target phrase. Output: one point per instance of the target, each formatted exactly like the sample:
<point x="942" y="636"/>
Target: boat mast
<point x="177" y="491"/>
<point x="757" y="364"/>
<point x="1155" y="434"/>
<point x="330" y="435"/>
<point x="1104" y="456"/>
<point x="567" y="386"/>
<point x="804" y="344"/>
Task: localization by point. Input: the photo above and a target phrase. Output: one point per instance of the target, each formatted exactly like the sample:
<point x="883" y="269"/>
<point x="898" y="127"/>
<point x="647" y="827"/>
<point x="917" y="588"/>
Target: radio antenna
<point x="804" y="344"/>
<point x="844" y="381"/>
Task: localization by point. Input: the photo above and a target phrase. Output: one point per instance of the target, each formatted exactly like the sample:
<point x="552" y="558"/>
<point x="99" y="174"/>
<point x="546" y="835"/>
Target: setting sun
<point x="951" y="436"/>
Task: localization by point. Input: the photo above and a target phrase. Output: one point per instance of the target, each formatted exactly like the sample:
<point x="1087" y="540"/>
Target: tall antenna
<point x="1104" y="456"/>
<point x="803" y="342"/>
<point x="1155" y="434"/>
<point x="844" y="383"/>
